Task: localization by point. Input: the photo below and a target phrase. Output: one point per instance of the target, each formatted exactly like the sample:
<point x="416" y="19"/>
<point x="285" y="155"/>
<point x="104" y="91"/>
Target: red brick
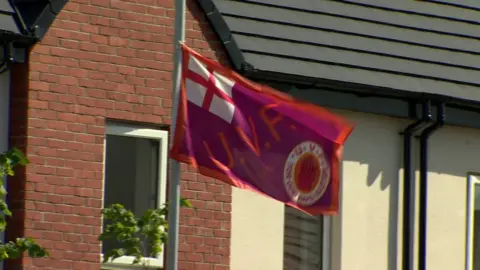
<point x="74" y="200"/>
<point x="212" y="258"/>
<point x="54" y="199"/>
<point x="73" y="219"/>
<point x="203" y="266"/>
<point x="44" y="207"/>
<point x="55" y="236"/>
<point x="194" y="257"/>
<point x="64" y="209"/>
<point x="104" y="58"/>
<point x="53" y="217"/>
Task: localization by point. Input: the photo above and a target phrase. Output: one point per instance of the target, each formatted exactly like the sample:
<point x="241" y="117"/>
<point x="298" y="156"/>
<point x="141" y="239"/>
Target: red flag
<point x="256" y="138"/>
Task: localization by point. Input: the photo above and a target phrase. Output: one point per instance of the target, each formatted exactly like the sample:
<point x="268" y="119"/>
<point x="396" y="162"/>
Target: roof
<point x="38" y="15"/>
<point x="418" y="46"/>
<point x="8" y="23"/>
<point x="26" y="21"/>
<point x="23" y="22"/>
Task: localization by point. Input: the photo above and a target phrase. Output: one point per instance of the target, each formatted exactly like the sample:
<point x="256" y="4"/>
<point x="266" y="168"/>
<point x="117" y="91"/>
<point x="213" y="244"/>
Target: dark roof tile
<point x="414" y="46"/>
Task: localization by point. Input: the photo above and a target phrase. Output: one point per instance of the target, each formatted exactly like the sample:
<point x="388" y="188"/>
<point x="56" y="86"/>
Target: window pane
<point x="476" y="228"/>
<point x="131" y="175"/>
<point x="302" y="241"/>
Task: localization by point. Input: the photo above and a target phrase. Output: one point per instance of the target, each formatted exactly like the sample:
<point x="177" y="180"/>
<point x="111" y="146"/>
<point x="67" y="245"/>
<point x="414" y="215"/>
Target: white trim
<point x="128" y="130"/>
<point x="327" y="242"/>
<point x="103" y="187"/>
<point x="472" y="180"/>
<point x="126" y="263"/>
<point x="133" y="131"/>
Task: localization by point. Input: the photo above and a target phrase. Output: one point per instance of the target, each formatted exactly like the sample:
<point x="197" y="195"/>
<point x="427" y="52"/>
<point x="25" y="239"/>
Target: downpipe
<point x="424" y="136"/>
<point x="408" y="187"/>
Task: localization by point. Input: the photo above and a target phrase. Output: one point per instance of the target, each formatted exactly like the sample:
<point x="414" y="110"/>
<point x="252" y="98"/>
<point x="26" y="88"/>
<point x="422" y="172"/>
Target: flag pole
<point x="174" y="193"/>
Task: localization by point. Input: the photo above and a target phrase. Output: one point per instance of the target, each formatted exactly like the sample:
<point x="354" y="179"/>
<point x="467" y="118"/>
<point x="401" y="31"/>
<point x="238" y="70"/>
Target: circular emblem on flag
<point x="306" y="174"/>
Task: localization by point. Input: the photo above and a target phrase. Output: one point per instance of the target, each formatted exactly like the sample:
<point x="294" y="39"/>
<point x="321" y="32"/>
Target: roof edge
<point x="302" y="82"/>
<point x="46" y="17"/>
<point x="222" y="31"/>
<point x="31" y="29"/>
<point x="34" y="17"/>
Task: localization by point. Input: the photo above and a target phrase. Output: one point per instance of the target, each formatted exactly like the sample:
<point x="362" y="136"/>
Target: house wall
<point x="257" y="232"/>
<point x="112" y="60"/>
<point x="103" y="60"/>
<point x="4" y="116"/>
<point x="367" y="232"/>
<point x="4" y="109"/>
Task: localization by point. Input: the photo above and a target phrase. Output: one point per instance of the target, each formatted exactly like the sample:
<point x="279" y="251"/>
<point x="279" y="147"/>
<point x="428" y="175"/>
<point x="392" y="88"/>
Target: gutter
<point x="422" y="235"/>
<point x="7" y="57"/>
<point x="408" y="188"/>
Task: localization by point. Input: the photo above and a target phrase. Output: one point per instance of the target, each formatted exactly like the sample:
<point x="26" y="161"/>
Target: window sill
<point x="126" y="263"/>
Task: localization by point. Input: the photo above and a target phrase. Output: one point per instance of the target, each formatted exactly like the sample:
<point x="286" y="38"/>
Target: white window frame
<point x="127" y="130"/>
<point x="472" y="180"/>
<point x="327" y="243"/>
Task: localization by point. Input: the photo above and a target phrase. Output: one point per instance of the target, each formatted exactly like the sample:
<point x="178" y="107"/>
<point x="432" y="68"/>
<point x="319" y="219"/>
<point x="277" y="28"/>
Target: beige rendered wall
<point x="257" y="232"/>
<point x="369" y="215"/>
<point x="454" y="152"/>
<point x="370" y="218"/>
<point x="367" y="232"/>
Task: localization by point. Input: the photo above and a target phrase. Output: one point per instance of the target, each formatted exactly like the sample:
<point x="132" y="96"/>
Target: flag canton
<point x="210" y="90"/>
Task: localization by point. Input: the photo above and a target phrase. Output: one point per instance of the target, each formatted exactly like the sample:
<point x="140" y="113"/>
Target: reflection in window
<point x="303" y="241"/>
<point x="131" y="176"/>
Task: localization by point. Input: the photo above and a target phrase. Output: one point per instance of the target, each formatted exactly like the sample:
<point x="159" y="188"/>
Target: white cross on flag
<point x="209" y="90"/>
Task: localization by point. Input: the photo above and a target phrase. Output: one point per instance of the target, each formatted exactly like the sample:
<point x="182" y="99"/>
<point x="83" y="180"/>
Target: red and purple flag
<point x="256" y="138"/>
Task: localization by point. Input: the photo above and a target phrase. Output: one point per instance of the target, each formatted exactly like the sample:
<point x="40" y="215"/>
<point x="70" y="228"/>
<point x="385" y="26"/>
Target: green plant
<point x="137" y="235"/>
<point x="13" y="249"/>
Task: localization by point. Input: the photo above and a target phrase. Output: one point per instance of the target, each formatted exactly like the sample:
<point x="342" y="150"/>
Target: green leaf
<point x="131" y="231"/>
<point x="14" y="249"/>
<point x="3" y="191"/>
<point x="3" y="224"/>
<point x="4" y="208"/>
<point x="185" y="203"/>
<point x="19" y="157"/>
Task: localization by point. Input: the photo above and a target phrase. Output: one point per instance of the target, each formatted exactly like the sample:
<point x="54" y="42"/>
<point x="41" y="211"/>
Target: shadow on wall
<point x="375" y="147"/>
<point x="369" y="146"/>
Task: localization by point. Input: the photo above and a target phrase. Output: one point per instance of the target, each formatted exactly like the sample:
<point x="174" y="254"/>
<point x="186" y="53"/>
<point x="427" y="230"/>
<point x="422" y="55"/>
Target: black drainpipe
<point x="408" y="194"/>
<point x="422" y="235"/>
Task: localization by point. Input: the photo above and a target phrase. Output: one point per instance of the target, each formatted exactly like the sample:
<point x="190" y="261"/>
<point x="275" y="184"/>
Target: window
<point x="305" y="240"/>
<point x="135" y="174"/>
<point x="473" y="223"/>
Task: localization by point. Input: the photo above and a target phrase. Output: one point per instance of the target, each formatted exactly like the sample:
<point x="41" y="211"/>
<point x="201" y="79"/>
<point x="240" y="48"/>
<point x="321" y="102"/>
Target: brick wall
<point x="102" y="59"/>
